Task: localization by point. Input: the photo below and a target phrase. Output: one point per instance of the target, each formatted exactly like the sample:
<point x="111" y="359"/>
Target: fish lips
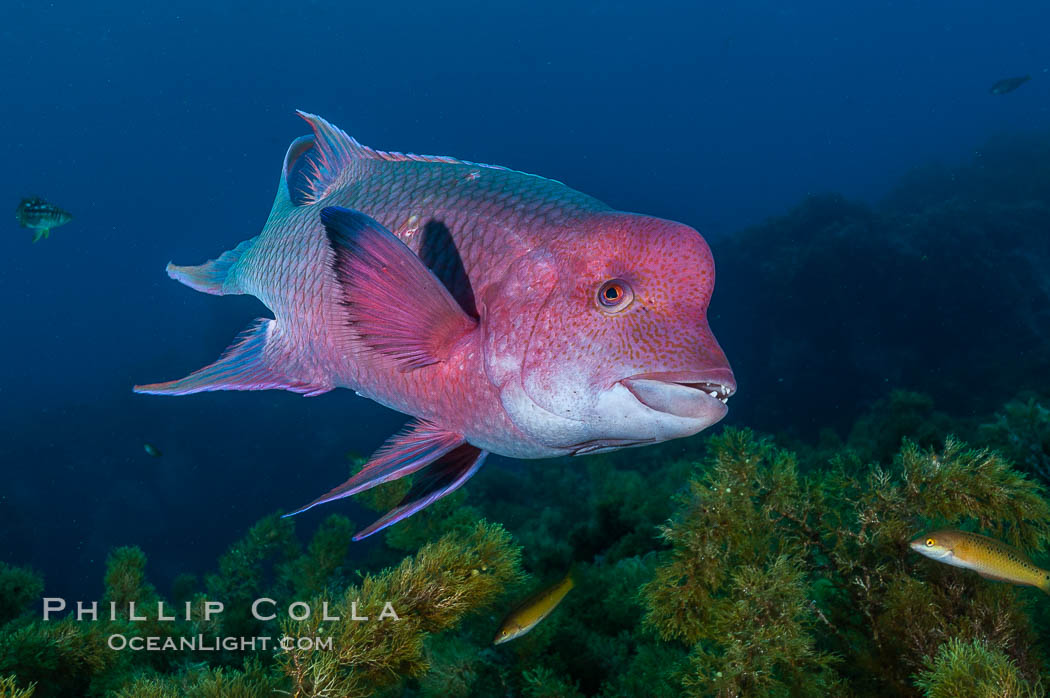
<point x="700" y="395"/>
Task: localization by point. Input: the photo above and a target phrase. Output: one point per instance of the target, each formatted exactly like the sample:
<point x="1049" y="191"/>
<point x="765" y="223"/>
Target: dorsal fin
<point x="288" y="190"/>
<point x="314" y="164"/>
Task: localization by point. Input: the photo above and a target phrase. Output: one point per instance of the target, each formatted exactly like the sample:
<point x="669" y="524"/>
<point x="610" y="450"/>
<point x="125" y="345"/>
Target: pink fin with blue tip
<point x="393" y="303"/>
<point x="253" y="362"/>
<point x="404" y="453"/>
<point x="443" y="477"/>
<point x="214" y="276"/>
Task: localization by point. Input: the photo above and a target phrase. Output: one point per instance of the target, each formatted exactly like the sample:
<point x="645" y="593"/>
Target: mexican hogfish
<point x="506" y="312"/>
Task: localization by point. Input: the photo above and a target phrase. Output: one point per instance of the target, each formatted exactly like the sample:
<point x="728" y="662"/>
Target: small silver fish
<point x="40" y="216"/>
<point x="152" y="450"/>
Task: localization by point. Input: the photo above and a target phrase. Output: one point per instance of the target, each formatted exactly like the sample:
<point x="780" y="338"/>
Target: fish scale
<point x="467" y="296"/>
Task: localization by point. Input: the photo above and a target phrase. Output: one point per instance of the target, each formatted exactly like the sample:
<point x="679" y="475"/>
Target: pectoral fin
<point x="390" y="300"/>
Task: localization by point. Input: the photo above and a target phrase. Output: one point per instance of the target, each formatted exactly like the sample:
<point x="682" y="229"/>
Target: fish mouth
<point x="689" y="394"/>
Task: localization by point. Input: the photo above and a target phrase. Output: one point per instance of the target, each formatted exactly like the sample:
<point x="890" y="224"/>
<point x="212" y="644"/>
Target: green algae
<point x="974" y="669"/>
<point x="9" y="688"/>
<point x="20" y="588"/>
<point x="721" y="566"/>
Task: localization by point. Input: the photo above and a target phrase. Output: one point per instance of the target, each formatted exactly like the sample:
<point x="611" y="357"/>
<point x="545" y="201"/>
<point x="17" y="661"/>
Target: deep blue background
<point x="162" y="128"/>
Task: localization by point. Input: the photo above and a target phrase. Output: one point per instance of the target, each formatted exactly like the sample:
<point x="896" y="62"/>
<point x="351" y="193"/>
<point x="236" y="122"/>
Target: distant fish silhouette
<point x="1008" y="84"/>
<point x="40" y="216"/>
<point x="152" y="450"/>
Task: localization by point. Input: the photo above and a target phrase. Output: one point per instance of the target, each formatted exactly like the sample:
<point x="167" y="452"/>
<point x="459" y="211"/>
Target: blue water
<point x="162" y="128"/>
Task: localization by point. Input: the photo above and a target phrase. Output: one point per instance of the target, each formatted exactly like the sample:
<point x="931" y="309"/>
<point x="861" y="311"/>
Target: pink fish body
<point x="506" y="312"/>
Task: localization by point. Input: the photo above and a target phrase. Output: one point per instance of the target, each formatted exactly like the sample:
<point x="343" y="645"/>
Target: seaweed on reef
<point x="126" y="580"/>
<point x="430" y="592"/>
<point x="782" y="584"/>
<point x="541" y="682"/>
<point x="9" y="688"/>
<point x="434" y="591"/>
<point x="250" y="569"/>
<point x="973" y="668"/>
<point x="446" y="514"/>
<point x="320" y="569"/>
<point x="62" y="658"/>
<point x="654" y="669"/>
<point x="765" y="578"/>
<point x="454" y="668"/>
<point x="19" y="587"/>
<point x="202" y="681"/>
<point x="947" y="276"/>
<point x="1021" y="432"/>
<point x="731" y="574"/>
<point x="877" y="434"/>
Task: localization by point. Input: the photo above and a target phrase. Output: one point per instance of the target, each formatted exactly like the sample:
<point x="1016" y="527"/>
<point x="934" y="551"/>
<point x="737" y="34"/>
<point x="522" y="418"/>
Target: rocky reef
<point x="943" y="287"/>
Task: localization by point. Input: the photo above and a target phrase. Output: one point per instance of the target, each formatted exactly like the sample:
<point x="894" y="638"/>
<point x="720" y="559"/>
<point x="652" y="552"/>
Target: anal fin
<point x="255" y="361"/>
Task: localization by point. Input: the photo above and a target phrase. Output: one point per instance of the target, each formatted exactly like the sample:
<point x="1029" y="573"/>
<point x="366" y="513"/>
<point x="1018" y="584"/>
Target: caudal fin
<point x="255" y="361"/>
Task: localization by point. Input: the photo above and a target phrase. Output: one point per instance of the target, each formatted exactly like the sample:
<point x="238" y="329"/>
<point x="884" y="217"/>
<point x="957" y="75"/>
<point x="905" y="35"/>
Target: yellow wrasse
<point x="988" y="557"/>
<point x="532" y="610"/>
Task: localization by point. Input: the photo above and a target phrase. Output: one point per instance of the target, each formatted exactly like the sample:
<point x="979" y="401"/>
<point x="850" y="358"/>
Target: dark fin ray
<point x="214" y="275"/>
<point x="391" y="301"/>
<point x="404" y="453"/>
<point x="438" y="251"/>
<point x="443" y="477"/>
<point x="252" y="362"/>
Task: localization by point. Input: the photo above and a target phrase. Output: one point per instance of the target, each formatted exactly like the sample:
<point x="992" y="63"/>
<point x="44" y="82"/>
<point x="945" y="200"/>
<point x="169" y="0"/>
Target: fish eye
<point x="930" y="542"/>
<point x="615" y="295"/>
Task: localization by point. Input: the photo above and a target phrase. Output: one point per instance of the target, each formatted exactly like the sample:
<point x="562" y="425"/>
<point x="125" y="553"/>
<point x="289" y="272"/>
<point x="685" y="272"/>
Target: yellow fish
<point x="532" y="610"/>
<point x="988" y="557"/>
